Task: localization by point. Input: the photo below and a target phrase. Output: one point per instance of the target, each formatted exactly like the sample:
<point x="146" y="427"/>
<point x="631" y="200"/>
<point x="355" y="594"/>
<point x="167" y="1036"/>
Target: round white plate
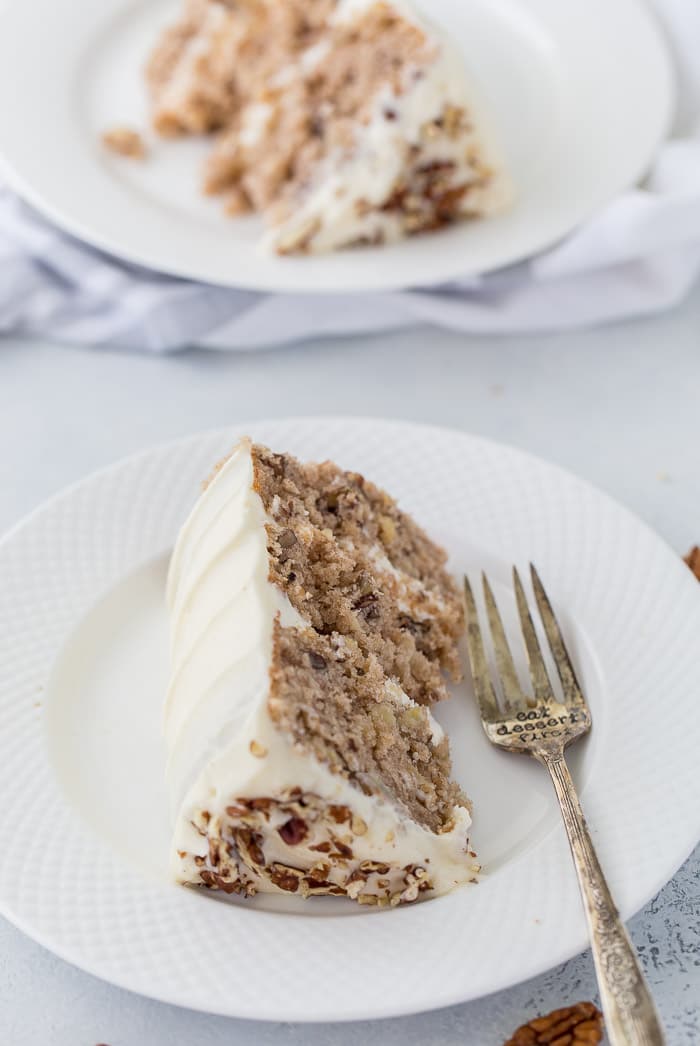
<point x="83" y="665"/>
<point x="581" y="93"/>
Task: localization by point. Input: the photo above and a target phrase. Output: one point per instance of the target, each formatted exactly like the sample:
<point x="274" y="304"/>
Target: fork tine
<point x="485" y="694"/>
<point x="512" y="691"/>
<point x="541" y="686"/>
<point x="569" y="682"/>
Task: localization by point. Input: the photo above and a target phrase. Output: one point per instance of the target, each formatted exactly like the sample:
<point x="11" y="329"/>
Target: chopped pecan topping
<point x="285" y="878"/>
<point x="250" y="847"/>
<point x="318" y="889"/>
<point x="236" y="811"/>
<point x="124" y="141"/>
<point x="319" y="872"/>
<point x="293" y="831"/>
<point x="353" y="888"/>
<point x="261" y="802"/>
<point x="578" y="1025"/>
<point x="323" y="848"/>
<point x="374" y="866"/>
<point x="341" y="849"/>
<point x="217" y="882"/>
<point x="340" y="814"/>
<point x="358" y="826"/>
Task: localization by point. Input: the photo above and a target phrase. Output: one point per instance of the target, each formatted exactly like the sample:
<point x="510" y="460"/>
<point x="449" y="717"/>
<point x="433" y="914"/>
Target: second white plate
<point x="581" y="94"/>
<point x="83" y="669"/>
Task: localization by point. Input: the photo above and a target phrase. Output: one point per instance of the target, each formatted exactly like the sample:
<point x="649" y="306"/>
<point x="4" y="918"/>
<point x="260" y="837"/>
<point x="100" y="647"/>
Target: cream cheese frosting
<point x="225" y="750"/>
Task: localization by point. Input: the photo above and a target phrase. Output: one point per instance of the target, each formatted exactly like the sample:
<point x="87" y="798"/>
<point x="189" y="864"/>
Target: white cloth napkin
<point x="639" y="255"/>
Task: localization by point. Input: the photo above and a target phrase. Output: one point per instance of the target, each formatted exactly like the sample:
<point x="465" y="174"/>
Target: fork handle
<point x="630" y="1014"/>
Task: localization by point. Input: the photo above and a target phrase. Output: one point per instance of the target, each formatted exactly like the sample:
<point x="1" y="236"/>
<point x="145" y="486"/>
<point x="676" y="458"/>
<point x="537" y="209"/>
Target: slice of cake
<point x="341" y="121"/>
<point x="311" y="623"/>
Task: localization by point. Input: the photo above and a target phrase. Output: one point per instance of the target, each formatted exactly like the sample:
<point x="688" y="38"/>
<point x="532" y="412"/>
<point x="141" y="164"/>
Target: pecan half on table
<point x="578" y="1025"/>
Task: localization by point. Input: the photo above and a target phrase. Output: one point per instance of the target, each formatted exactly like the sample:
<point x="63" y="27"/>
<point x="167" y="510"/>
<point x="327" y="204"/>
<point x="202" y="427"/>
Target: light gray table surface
<point x="619" y="405"/>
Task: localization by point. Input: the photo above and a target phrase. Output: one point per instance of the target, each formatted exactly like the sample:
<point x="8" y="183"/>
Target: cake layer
<point x="297" y="763"/>
<point x="351" y="562"/>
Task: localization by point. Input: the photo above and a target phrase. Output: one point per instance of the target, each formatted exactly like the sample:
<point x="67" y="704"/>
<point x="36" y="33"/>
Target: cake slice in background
<point x="342" y="123"/>
<point x="311" y="623"/>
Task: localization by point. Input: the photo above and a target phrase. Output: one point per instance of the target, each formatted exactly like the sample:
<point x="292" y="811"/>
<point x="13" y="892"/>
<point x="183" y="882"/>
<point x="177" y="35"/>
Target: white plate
<point x="83" y="670"/>
<point x="581" y="93"/>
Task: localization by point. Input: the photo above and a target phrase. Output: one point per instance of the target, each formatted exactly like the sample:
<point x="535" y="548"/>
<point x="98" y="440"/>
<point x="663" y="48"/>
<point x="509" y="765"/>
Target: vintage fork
<point x="539" y="725"/>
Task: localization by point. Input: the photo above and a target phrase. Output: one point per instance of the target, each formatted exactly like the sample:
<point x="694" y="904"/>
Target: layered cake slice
<point x="312" y="621"/>
<point x="341" y="121"/>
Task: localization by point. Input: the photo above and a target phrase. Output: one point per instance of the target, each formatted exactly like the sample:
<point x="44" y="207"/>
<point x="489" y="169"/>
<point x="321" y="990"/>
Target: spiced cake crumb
<point x="124" y="141"/>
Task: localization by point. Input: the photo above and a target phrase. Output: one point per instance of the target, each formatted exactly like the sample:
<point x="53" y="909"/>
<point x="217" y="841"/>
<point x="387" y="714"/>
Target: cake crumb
<point x="692" y="559"/>
<point x="124" y="141"/>
<point x="258" y="750"/>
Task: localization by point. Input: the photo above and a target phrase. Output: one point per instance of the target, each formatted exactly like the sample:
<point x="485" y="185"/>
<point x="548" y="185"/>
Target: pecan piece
<point x="311" y="888"/>
<point x="260" y="802"/>
<point x="693" y="560"/>
<point x="217" y="882"/>
<point x="249" y="847"/>
<point x="319" y="872"/>
<point x="322" y="848"/>
<point x="341" y="849"/>
<point x="236" y="811"/>
<point x="359" y="827"/>
<point x="285" y="877"/>
<point x="293" y="831"/>
<point x="374" y="866"/>
<point x="339" y="813"/>
<point x="365" y="606"/>
<point x="578" y="1025"/>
